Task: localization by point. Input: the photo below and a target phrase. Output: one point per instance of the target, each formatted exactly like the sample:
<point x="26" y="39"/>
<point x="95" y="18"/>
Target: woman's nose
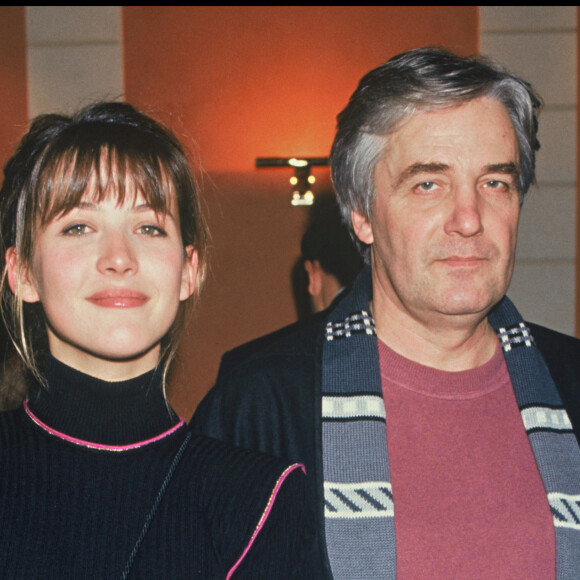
<point x="116" y="255"/>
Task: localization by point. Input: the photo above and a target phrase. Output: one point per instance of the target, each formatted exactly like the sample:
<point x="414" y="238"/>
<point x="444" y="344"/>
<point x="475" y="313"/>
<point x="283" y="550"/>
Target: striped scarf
<point x="359" y="507"/>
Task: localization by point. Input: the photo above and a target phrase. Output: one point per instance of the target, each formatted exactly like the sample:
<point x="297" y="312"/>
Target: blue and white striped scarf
<point x="359" y="508"/>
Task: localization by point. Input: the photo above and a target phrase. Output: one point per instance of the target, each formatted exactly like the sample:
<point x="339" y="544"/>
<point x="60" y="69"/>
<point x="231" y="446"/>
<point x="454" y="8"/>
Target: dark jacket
<point x="268" y="397"/>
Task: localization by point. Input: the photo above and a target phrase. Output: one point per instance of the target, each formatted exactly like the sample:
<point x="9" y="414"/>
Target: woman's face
<point x="110" y="278"/>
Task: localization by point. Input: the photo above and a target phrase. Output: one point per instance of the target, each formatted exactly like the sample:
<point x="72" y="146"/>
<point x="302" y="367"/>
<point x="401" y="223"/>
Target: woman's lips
<point x="118" y="298"/>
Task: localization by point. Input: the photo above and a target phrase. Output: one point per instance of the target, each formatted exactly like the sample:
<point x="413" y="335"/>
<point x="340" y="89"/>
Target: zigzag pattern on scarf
<point x="565" y="510"/>
<point x="371" y="499"/>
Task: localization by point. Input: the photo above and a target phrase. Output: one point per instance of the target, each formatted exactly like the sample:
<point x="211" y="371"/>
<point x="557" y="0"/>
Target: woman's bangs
<point x="62" y="184"/>
<point x="99" y="174"/>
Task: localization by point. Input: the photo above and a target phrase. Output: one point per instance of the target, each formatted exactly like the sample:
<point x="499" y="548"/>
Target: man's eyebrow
<point x="507" y="168"/>
<point x="417" y="168"/>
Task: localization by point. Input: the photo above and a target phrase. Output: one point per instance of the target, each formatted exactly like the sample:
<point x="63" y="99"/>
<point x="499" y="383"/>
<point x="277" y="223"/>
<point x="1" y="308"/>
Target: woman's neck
<point x="103" y="368"/>
<point x="112" y="413"/>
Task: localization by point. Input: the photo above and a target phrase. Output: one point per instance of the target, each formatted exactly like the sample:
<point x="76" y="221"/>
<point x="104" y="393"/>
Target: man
<point x="330" y="258"/>
<point x="476" y="471"/>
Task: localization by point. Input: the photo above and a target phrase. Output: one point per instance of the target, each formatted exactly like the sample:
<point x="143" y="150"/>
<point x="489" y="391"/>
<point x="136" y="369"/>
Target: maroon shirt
<point x="469" y="499"/>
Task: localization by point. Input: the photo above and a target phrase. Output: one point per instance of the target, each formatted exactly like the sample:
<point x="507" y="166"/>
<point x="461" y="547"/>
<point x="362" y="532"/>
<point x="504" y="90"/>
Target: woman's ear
<point x="189" y="273"/>
<point x="19" y="278"/>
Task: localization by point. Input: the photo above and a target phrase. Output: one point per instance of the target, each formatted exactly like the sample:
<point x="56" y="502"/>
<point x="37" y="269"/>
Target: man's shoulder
<point x="297" y="340"/>
<point x="263" y="390"/>
<point x="561" y="352"/>
<point x="556" y="344"/>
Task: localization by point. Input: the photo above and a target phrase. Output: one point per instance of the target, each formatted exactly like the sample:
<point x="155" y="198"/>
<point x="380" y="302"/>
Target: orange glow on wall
<point x="259" y="81"/>
<point x="13" y="92"/>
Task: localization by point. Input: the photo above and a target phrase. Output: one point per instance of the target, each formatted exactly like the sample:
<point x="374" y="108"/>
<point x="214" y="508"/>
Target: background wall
<point x="237" y="83"/>
<point x="75" y="55"/>
<point x="540" y="43"/>
<point x="13" y="88"/>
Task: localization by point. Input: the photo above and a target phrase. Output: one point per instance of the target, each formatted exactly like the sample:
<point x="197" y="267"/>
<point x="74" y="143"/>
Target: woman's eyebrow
<point x="86" y="205"/>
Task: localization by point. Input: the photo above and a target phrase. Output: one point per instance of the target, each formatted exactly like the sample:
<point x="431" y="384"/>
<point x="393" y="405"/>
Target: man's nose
<point x="464" y="217"/>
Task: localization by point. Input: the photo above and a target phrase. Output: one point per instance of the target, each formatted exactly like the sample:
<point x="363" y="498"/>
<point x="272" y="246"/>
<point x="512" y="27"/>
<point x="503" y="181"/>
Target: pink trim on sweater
<point x="266" y="513"/>
<point x="92" y="445"/>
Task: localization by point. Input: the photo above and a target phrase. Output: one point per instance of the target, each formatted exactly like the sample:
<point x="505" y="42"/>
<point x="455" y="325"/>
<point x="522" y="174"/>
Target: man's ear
<point x="314" y="270"/>
<point x="362" y="227"/>
<point x="19" y="278"/>
<point x="189" y="273"/>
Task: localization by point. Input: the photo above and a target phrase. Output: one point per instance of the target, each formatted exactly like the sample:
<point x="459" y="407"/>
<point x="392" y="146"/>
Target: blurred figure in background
<point x="330" y="257"/>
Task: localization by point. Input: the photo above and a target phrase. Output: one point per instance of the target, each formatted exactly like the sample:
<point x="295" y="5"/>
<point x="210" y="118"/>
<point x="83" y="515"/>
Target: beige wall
<point x="74" y="56"/>
<point x="540" y="43"/>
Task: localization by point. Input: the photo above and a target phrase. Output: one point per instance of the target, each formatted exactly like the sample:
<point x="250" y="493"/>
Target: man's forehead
<point x="431" y="140"/>
<point x="482" y="107"/>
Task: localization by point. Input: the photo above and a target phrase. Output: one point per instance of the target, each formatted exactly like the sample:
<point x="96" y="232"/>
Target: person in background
<point x="440" y="430"/>
<point x="104" y="254"/>
<point x="330" y="258"/>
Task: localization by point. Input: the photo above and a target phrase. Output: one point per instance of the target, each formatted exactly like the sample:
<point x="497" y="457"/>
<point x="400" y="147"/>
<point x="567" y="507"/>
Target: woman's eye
<point x="151" y="230"/>
<point x="76" y="230"/>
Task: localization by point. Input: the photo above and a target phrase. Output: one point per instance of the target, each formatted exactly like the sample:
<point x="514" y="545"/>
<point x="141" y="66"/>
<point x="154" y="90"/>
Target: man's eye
<point x="498" y="185"/>
<point x="426" y="186"/>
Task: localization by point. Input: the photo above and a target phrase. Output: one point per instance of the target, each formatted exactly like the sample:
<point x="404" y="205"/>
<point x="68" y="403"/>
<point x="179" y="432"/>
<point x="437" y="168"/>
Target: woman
<point x="104" y="247"/>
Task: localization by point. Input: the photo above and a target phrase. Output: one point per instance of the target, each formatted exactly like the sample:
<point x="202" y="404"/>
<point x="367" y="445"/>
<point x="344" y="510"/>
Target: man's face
<point x="444" y="225"/>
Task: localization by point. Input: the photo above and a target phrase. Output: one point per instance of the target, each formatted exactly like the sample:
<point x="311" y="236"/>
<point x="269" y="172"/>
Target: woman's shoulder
<point x="236" y="466"/>
<point x="11" y="422"/>
<point x="253" y="503"/>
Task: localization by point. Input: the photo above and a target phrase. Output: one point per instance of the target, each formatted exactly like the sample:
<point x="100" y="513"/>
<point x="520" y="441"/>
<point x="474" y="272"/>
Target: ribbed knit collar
<point x="106" y="413"/>
<point x="431" y="382"/>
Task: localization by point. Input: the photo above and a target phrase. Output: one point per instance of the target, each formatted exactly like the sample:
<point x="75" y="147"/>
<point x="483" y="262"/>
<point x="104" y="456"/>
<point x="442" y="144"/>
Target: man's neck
<point x="445" y="342"/>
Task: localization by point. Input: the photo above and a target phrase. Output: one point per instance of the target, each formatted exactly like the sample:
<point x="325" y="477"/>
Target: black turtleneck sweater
<point x="82" y="463"/>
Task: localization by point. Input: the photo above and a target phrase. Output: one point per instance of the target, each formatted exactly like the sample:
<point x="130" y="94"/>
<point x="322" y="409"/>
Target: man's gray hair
<point x="424" y="79"/>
